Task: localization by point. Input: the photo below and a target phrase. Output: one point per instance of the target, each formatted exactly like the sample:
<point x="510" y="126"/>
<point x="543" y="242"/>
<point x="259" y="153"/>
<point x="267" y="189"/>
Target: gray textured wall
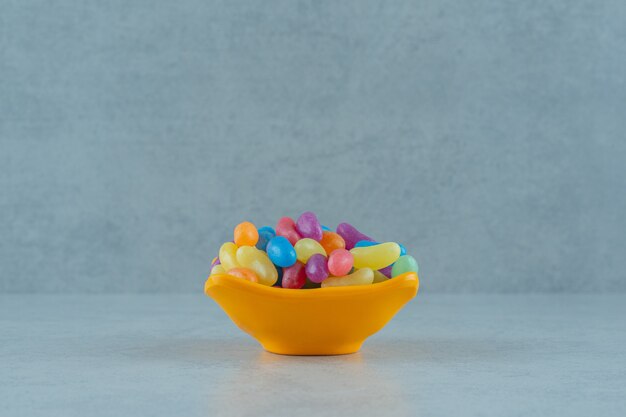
<point x="488" y="136"/>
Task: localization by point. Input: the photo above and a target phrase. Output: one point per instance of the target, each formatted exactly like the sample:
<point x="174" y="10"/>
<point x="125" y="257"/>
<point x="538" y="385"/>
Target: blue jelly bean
<point x="281" y="252"/>
<point x="266" y="234"/>
<point x="365" y="243"/>
<point x="402" y="249"/>
<point x="326" y="228"/>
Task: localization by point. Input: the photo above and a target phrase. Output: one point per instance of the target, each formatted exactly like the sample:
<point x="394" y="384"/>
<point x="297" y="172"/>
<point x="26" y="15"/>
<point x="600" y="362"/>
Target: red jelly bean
<point x="294" y="277"/>
<point x="286" y="227"/>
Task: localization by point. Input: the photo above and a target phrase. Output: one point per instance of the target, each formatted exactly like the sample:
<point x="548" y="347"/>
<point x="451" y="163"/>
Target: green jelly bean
<point x="405" y="263"/>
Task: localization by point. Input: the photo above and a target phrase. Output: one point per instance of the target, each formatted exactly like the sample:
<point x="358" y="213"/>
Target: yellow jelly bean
<point x="376" y="256"/>
<point x="228" y="256"/>
<point x="217" y="269"/>
<point x="363" y="276"/>
<point x="258" y="261"/>
<point x="379" y="277"/>
<point x="305" y="248"/>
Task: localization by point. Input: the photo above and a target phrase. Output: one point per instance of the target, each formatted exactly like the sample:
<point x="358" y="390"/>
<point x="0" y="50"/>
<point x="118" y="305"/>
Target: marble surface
<point x="443" y="355"/>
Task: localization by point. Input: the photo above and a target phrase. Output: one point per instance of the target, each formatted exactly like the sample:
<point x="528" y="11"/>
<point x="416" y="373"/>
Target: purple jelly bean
<point x="216" y="262"/>
<point x="351" y="235"/>
<point x="308" y="226"/>
<point x="386" y="271"/>
<point x="316" y="268"/>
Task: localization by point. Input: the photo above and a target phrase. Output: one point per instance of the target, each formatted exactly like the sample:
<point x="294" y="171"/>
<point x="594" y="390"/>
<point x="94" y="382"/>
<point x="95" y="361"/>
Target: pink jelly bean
<point x="351" y="235"/>
<point x="308" y="226"/>
<point x="294" y="277"/>
<point x="286" y="227"/>
<point x="340" y="262"/>
<point x="316" y="269"/>
<point x="386" y="271"/>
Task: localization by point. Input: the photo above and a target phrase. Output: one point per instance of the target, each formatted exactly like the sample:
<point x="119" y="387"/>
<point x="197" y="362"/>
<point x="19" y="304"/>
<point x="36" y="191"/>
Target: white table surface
<point x="443" y="355"/>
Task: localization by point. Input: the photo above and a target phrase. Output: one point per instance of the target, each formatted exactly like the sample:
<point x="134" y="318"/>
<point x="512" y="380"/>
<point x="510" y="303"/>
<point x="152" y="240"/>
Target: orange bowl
<point x="320" y="321"/>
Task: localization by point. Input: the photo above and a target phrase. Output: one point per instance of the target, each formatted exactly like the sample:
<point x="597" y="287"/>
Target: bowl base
<point x="280" y="349"/>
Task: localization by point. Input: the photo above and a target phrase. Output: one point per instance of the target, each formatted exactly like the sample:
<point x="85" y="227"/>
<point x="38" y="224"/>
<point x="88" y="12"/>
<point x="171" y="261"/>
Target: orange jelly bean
<point x="246" y="234"/>
<point x="331" y="241"/>
<point x="244" y="273"/>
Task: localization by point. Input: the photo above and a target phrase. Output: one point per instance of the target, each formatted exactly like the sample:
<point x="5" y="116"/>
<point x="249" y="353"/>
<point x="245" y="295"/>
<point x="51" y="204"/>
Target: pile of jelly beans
<point x="305" y="254"/>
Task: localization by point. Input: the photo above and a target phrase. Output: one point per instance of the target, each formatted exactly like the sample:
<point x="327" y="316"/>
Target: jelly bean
<point x="308" y="226"/>
<point x="377" y="256"/>
<point x="306" y="247"/>
<point x="286" y="227"/>
<point x="340" y="262"/>
<point x="361" y="276"/>
<point x="266" y="234"/>
<point x="246" y="234"/>
<point x="217" y="269"/>
<point x="404" y="264"/>
<point x="258" y="261"/>
<point x="331" y="241"/>
<point x="281" y="252"/>
<point x="316" y="268"/>
<point x="386" y="271"/>
<point x="306" y="254"/>
<point x="350" y="234"/>
<point x="379" y="277"/>
<point x="365" y="243"/>
<point x="294" y="277"/>
<point x="228" y="256"/>
<point x="244" y="273"/>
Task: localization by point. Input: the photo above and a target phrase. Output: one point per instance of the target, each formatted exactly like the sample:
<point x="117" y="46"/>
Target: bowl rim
<point x="406" y="280"/>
